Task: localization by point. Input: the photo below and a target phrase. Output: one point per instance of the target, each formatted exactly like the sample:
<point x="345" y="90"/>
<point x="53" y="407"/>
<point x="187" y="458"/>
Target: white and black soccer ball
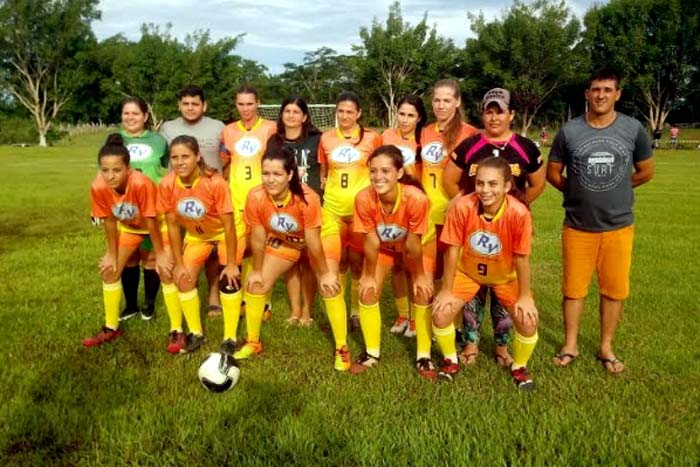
<point x="219" y="372"/>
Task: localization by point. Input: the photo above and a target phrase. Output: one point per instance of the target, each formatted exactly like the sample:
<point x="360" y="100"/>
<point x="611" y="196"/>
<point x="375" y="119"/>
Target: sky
<point x="280" y="31"/>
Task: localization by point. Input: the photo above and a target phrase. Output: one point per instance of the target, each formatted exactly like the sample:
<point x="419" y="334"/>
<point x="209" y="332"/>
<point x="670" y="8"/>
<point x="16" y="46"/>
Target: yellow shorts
<point x="337" y="234"/>
<point x="198" y="249"/>
<point x="466" y="288"/>
<point x="609" y="253"/>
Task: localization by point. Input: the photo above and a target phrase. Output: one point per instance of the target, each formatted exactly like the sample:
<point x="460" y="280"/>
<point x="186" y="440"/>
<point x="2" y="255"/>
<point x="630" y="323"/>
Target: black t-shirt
<point x="522" y="154"/>
<point x="306" y="151"/>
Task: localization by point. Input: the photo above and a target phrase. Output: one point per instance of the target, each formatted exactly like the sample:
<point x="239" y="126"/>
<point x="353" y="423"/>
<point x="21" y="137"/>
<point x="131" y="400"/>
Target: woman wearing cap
<point x="529" y="178"/>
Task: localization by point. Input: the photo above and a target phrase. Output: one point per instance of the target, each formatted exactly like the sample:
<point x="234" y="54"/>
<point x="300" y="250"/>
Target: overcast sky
<point x="279" y="31"/>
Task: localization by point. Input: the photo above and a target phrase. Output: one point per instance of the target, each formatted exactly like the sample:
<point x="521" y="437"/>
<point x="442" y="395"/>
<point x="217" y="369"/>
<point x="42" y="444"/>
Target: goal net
<point x="322" y="115"/>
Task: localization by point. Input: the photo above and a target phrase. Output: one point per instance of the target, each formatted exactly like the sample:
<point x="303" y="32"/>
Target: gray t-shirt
<point x="598" y="195"/>
<point x="206" y="131"/>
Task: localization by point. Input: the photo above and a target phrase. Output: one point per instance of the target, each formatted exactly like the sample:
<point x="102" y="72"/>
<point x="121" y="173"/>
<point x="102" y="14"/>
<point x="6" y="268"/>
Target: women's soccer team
<point x="439" y="206"/>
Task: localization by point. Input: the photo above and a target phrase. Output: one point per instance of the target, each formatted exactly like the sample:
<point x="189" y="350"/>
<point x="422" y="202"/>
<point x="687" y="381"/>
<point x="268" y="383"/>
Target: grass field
<point x="131" y="403"/>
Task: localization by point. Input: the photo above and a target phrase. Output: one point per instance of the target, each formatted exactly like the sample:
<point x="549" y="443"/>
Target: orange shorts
<point x="609" y="253"/>
<point x="466" y="288"/>
<point x="276" y="247"/>
<point x="337" y="234"/>
<point x="388" y="258"/>
<point x="197" y="249"/>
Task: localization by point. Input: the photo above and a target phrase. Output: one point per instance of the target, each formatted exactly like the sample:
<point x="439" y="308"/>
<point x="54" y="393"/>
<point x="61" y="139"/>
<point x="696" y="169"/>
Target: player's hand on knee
<point x="108" y="264"/>
<point x="182" y="278"/>
<point x="255" y="282"/>
<point x="525" y="312"/>
<point x="367" y="290"/>
<point x="329" y="285"/>
<point x="164" y="265"/>
<point x="232" y="275"/>
<point x="422" y="288"/>
<point x="443" y="308"/>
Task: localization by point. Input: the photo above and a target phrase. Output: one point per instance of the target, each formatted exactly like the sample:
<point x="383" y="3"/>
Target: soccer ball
<point x="219" y="372"/>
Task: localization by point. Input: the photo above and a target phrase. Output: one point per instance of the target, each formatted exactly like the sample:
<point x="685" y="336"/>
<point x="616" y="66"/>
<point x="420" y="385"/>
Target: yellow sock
<point x="172" y="306"/>
<point x="112" y="297"/>
<point x="446" y="341"/>
<point x="255" y="305"/>
<point x="371" y="322"/>
<point x="190" y="308"/>
<point x="231" y="307"/>
<point x="402" y="306"/>
<point x="354" y="297"/>
<point x="337" y="315"/>
<point x="424" y="327"/>
<point x="522" y="349"/>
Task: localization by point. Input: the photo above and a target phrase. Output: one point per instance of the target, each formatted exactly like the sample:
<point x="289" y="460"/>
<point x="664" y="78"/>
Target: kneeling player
<point x="197" y="198"/>
<point x="125" y="200"/>
<point x="493" y="230"/>
<point x="392" y="214"/>
<point x="284" y="217"/>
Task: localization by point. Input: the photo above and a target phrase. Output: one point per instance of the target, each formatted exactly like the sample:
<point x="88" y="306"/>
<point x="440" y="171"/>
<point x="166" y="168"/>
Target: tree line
<point x="52" y="67"/>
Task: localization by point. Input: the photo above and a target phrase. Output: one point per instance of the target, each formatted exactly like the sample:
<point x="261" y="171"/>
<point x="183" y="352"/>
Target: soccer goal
<point x="322" y="115"/>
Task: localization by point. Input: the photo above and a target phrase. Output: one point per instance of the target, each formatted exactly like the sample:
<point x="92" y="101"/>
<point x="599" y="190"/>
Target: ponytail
<point x="114" y="146"/>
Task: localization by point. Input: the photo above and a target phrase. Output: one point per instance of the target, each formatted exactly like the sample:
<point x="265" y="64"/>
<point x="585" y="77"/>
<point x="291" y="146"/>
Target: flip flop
<point x="559" y="359"/>
<point x="306" y="322"/>
<point x="502" y="361"/>
<point x="611" y="365"/>
<point x="467" y="358"/>
<point x="293" y="321"/>
<point x="214" y="311"/>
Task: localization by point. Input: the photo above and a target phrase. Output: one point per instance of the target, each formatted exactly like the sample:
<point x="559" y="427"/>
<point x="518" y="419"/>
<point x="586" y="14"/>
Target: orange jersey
<point x="409" y="215"/>
<point x="488" y="247"/>
<point x="287" y="222"/>
<point x="130" y="208"/>
<point x="407" y="146"/>
<point x="245" y="149"/>
<point x="347" y="168"/>
<point x="434" y="158"/>
<point x="198" y="207"/>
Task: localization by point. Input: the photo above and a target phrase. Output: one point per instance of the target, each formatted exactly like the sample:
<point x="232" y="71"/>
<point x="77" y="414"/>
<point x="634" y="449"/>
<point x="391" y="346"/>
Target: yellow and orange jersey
<point x="244" y="149"/>
<point x="434" y="158"/>
<point x="408" y="146"/>
<point x="488" y="246"/>
<point x="131" y="208"/>
<point x="347" y="168"/>
<point x="198" y="207"/>
<point x="409" y="215"/>
<point x="286" y="221"/>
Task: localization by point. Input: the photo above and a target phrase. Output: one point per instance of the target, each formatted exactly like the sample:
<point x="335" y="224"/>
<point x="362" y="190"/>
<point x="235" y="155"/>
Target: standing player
<point x="498" y="140"/>
<point x="243" y="144"/>
<point x="125" y="200"/>
<point x="411" y="117"/>
<point x="284" y="216"/>
<point x="197" y="198"/>
<point x="438" y="140"/>
<point x="392" y="214"/>
<point x="489" y="234"/>
<point x="343" y="154"/>
<point x="148" y="153"/>
<point x="192" y="121"/>
<point x="605" y="154"/>
<point x="296" y="131"/>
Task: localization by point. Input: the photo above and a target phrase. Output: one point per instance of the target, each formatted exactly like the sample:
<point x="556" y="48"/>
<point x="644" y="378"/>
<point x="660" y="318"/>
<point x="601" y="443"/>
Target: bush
<point x="17" y="130"/>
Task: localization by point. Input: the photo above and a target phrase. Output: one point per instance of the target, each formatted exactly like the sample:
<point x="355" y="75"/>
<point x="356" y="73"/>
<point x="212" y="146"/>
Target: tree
<point x="652" y="47"/>
<point x="396" y="59"/>
<point x="39" y="40"/>
<point x="531" y="51"/>
<point x="320" y="78"/>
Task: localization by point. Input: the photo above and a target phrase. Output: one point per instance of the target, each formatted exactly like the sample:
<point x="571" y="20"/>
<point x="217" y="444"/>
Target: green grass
<point x="130" y="403"/>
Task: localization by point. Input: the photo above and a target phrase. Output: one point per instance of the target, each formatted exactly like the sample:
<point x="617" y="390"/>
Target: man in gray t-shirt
<point x="606" y="155"/>
<point x="193" y="122"/>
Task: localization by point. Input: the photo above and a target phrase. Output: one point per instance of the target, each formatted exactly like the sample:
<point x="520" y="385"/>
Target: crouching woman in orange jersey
<point x="197" y="198"/>
<point x="125" y="200"/>
<point x="493" y="232"/>
<point x="392" y="214"/>
<point x="284" y="217"/>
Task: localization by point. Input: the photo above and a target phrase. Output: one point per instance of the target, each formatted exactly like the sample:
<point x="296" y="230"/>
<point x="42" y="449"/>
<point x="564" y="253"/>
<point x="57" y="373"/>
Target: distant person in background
<point x="658" y="133"/>
<point x="605" y="154"/>
<point x="544" y="136"/>
<point x="148" y="152"/>
<point x="296" y="131"/>
<point x="192" y="121"/>
<point x="674" y="136"/>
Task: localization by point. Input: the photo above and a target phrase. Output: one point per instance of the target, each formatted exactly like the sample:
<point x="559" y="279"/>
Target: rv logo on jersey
<point x="433" y="153"/>
<point x="284" y="223"/>
<point x="139" y="152"/>
<point x="485" y="243"/>
<point x="125" y="211"/>
<point x="409" y="155"/>
<point x="191" y="208"/>
<point x="391" y="232"/>
<point x="247" y="147"/>
<point x="345" y="155"/>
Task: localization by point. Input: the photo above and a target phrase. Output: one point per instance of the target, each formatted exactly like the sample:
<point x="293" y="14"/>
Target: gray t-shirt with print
<point x="598" y="195"/>
<point x="206" y="131"/>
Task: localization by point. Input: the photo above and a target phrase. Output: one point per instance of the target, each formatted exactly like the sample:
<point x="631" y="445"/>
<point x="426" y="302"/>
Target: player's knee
<point x="525" y="327"/>
<point x="185" y="284"/>
<point x="422" y="298"/>
<point x="369" y="298"/>
<point x="109" y="277"/>
<point x="442" y="320"/>
<point x="257" y="288"/>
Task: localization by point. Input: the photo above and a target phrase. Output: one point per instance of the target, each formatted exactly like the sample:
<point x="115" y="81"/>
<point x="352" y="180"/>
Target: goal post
<point x="322" y="115"/>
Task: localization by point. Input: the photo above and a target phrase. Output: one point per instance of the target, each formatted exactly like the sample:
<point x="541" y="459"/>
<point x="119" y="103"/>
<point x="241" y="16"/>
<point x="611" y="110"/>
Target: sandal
<point x="214" y="311"/>
<point x="306" y="322"/>
<point x="611" y="365"/>
<point x="293" y="321"/>
<point x="504" y="361"/>
<point x="469" y="354"/>
<point x="559" y="359"/>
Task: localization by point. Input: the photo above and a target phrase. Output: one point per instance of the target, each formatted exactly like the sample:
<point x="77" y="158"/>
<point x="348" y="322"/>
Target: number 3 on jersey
<point x="344" y="180"/>
<point x="248" y="172"/>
